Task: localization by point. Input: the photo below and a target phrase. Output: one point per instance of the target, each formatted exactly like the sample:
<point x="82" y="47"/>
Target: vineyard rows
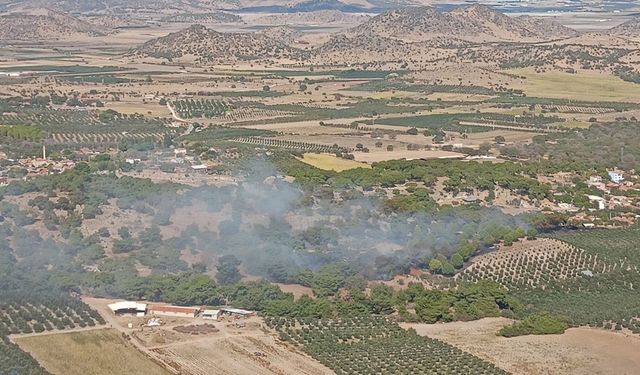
<point x="291" y="145"/>
<point x="375" y="345"/>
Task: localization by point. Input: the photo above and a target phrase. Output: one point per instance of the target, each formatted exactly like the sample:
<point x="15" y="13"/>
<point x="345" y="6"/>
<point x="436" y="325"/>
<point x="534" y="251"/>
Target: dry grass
<point x="578" y="351"/>
<point x="99" y="352"/>
<point x="581" y="86"/>
<point x="332" y="163"/>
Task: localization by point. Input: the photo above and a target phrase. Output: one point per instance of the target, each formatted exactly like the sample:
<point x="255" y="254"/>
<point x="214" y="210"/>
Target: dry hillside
<point x="322" y="17"/>
<point x="206" y="45"/>
<point x="44" y="24"/>
<point x="630" y="29"/>
<point x="478" y="23"/>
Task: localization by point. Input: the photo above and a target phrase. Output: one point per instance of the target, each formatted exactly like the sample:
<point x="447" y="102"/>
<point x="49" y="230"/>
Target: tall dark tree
<point x="228" y="272"/>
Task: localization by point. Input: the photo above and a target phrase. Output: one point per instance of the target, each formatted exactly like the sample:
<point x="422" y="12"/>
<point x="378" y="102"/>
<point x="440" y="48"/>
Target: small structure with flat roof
<point x="211" y="314"/>
<point x="175" y="311"/>
<point x="128" y="308"/>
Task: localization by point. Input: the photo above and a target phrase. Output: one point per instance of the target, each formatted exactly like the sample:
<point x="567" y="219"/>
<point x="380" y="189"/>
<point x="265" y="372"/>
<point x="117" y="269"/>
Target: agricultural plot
<point x="623" y="243"/>
<point x="397" y="85"/>
<point x="331" y="162"/>
<point x="291" y="145"/>
<point x="201" y="108"/>
<point x="577" y="109"/>
<point x="478" y="122"/>
<point x="78" y="127"/>
<point x="23" y="314"/>
<point x="375" y="345"/>
<point x="95" y="352"/>
<point x="109" y="137"/>
<point x="252" y="113"/>
<point x="79" y="121"/>
<point x="246" y="354"/>
<point x="597" y="269"/>
<point x="536" y="264"/>
<point x="581" y="86"/>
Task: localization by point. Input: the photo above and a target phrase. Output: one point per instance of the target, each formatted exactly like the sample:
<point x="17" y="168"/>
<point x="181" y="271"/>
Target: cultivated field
<point x="98" y="352"/>
<point x="253" y="353"/>
<point x="534" y="264"/>
<point x="578" y="351"/>
<point x="332" y="163"/>
<point x="580" y="86"/>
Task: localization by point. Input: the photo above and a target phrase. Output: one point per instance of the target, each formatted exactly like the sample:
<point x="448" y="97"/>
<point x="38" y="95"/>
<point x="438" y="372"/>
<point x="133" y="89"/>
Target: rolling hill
<point x="45" y="24"/>
<point x="201" y="44"/>
<point x="628" y="29"/>
<point x="477" y="23"/>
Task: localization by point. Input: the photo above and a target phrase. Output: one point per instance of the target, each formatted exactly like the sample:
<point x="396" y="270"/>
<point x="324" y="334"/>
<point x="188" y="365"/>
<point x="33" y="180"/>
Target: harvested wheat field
<point x="97" y="352"/>
<point x="241" y="354"/>
<point x="332" y="163"/>
<point x="577" y="351"/>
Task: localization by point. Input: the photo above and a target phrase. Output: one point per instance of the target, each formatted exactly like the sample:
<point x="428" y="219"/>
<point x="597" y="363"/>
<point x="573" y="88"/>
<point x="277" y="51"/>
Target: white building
<point x="616" y="177"/>
<point x="211" y="314"/>
<point x="199" y="168"/>
<point x="598" y="200"/>
<point x="128" y="308"/>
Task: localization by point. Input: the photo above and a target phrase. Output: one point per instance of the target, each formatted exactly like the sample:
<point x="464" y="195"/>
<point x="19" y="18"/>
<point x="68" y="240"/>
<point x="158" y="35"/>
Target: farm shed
<point x="470" y="199"/>
<point x="128" y="308"/>
<point x="211" y="314"/>
<point x="236" y="312"/>
<point x="176" y="311"/>
<point x="199" y="168"/>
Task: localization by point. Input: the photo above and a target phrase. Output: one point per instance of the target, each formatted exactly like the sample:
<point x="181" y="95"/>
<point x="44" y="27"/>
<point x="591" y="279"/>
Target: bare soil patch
<point x="577" y="351"/>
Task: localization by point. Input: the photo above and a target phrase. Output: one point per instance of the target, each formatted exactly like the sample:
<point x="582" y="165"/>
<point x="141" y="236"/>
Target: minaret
<point x="44" y="152"/>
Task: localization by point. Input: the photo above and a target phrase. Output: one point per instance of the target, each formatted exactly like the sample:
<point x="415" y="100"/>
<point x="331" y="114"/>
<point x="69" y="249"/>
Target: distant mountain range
<point x="392" y="32"/>
<point x="179" y="6"/>
<point x="477" y="23"/>
<point x="41" y="24"/>
<point x="321" y="17"/>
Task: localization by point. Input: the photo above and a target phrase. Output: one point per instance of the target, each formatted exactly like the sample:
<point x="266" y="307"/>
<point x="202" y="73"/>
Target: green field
<point x="581" y="86"/>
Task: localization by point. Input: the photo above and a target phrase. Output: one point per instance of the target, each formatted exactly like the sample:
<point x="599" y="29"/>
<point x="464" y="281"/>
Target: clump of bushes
<point x="538" y="324"/>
